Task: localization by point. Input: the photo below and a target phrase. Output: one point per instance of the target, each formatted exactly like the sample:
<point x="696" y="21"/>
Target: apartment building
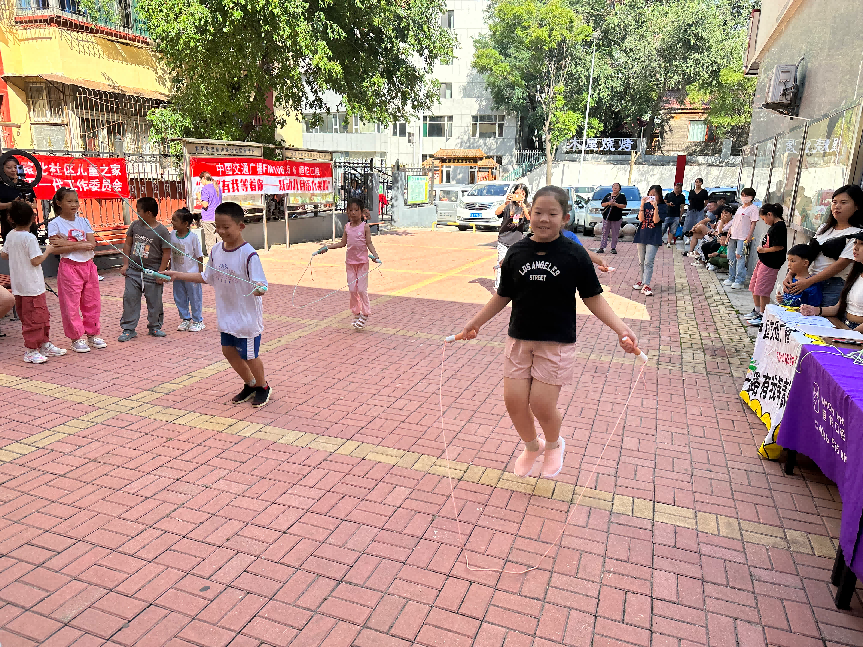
<point x="463" y="118"/>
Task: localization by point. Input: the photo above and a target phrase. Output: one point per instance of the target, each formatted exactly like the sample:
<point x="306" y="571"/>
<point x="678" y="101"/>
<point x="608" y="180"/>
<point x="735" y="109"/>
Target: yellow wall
<point x="49" y="50"/>
<point x="292" y="133"/>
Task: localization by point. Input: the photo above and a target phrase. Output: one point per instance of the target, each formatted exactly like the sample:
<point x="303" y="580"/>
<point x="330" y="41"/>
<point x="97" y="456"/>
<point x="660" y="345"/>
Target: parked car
<point x="478" y="206"/>
<point x="729" y="193"/>
<point x="630" y="212"/>
<point x="577" y="208"/>
<point x="446" y="198"/>
<point x="584" y="191"/>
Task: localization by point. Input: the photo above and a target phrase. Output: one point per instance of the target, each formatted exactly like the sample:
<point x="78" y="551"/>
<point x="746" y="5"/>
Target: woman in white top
<point x="850" y="306"/>
<point x="834" y="241"/>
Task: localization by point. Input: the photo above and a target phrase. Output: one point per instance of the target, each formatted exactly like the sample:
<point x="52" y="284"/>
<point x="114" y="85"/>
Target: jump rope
<point x="641" y="359"/>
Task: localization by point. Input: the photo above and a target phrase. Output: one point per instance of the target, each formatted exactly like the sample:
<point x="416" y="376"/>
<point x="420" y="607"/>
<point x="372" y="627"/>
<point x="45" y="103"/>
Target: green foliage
<point x="225" y="58"/>
<point x="645" y="49"/>
<point x="527" y="58"/>
<point x="729" y="97"/>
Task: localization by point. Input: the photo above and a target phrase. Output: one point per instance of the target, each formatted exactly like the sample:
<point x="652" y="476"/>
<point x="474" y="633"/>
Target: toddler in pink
<point x="358" y="239"/>
<point x="77" y="280"/>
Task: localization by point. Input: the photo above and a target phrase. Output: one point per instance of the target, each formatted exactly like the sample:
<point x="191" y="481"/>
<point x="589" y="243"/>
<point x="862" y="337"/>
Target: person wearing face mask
<point x="833" y="246"/>
<point x="742" y="228"/>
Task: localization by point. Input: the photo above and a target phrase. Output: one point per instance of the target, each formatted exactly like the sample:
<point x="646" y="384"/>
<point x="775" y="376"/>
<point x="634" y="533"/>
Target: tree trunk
<point x="547" y="138"/>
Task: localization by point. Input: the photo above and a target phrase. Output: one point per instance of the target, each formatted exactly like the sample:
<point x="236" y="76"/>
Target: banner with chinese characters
<point x="93" y="177"/>
<point x="602" y="145"/>
<point x="772" y="369"/>
<point x="242" y="178"/>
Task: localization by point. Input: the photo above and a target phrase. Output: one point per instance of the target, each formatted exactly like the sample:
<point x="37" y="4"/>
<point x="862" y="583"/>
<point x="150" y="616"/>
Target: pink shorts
<point x="763" y="280"/>
<point x="547" y="361"/>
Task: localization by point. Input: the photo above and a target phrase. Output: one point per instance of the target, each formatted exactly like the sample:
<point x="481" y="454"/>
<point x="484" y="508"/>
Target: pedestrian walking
<point x="210" y="197"/>
<point x="612" y="216"/>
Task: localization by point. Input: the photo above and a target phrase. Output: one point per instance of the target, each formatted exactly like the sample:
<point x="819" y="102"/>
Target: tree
<point x="527" y="59"/>
<point x="729" y="100"/>
<point x="237" y="67"/>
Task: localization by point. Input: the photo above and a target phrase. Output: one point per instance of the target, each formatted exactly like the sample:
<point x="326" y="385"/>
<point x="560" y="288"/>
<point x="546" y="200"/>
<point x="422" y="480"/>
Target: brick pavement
<point x="138" y="507"/>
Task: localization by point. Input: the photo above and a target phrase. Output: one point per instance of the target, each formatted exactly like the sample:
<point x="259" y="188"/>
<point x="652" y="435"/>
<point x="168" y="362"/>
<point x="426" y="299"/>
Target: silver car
<point x="630" y="211"/>
<point x="478" y="206"/>
<point x="446" y="198"/>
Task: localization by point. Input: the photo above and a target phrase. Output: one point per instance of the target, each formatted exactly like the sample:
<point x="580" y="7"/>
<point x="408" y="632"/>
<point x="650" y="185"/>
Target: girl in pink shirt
<point x="358" y="239"/>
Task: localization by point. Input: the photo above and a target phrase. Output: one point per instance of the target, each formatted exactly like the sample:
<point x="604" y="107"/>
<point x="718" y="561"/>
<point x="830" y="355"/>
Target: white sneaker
<point x="727" y="282"/>
<point x="34" y="357"/>
<point x="97" y="342"/>
<point x="646" y="291"/>
<point x="81" y="345"/>
<point x="184" y="325"/>
<point x="197" y="326"/>
<point x="638" y="286"/>
<point x="736" y="286"/>
<point x="50" y="350"/>
<point x="711" y="268"/>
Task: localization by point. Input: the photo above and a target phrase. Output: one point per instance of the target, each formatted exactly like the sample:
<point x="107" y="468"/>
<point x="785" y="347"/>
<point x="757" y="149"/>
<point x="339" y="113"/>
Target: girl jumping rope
<point x="186" y="256"/>
<point x="540" y="275"/>
<point x="358" y="239"/>
<point x="77" y="280"/>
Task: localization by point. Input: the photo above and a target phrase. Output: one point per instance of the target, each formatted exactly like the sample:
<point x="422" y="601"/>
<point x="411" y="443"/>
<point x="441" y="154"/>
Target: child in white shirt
<point x="234" y="270"/>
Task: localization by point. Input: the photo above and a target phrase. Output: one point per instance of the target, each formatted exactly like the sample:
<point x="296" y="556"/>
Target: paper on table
<point x="796" y="320"/>
<point x="833" y="333"/>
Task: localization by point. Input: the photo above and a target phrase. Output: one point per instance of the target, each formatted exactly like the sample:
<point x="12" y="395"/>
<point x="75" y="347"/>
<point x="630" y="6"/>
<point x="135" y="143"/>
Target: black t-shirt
<point x="610" y="213"/>
<point x="776" y="236"/>
<point x="9" y="194"/>
<point x="674" y="202"/>
<point x="543" y="286"/>
<point x="514" y="224"/>
<point x="697" y="200"/>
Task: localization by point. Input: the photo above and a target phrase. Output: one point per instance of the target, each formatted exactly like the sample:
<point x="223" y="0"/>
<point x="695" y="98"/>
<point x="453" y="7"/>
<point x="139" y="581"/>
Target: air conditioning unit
<point x="782" y="89"/>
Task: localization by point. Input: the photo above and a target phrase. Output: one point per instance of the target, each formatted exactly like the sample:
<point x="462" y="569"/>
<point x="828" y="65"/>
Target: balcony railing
<point x="120" y="16"/>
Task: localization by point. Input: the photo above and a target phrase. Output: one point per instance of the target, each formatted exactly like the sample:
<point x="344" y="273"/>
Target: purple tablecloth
<point x="824" y="421"/>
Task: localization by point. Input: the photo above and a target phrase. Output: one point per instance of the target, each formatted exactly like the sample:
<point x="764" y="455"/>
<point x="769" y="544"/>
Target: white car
<point x="478" y="206"/>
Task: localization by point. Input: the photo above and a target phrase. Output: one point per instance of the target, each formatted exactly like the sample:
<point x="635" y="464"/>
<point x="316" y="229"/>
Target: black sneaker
<point x="262" y="396"/>
<point x="245" y="394"/>
<point x="599" y="250"/>
<point x="614" y="251"/>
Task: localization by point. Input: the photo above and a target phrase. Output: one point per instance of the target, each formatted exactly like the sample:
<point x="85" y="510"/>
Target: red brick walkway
<point x="138" y="507"/>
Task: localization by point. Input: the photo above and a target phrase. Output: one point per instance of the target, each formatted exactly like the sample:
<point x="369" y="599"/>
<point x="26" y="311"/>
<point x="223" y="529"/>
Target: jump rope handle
<point x="164" y="277"/>
<point x="376" y="259"/>
<point x="323" y="250"/>
<point x="640" y="356"/>
<point x="457" y="337"/>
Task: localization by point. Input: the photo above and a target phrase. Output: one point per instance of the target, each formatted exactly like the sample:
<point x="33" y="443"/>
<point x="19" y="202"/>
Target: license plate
<point x="476" y="215"/>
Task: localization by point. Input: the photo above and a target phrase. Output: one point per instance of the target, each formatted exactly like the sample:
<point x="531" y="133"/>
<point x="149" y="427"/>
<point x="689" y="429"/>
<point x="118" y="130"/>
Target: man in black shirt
<point x="612" y="215"/>
<point x="674" y="201"/>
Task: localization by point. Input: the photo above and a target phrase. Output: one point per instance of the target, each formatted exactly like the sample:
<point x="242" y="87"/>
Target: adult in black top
<point x="8" y="194"/>
<point x="697" y="198"/>
<point x="612" y="214"/>
<point x="674" y="200"/>
<point x="542" y="279"/>
<point x="515" y="223"/>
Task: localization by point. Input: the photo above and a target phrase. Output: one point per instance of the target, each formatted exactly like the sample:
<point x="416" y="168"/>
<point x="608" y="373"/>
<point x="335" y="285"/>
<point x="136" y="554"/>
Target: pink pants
<point x="78" y="289"/>
<point x="358" y="284"/>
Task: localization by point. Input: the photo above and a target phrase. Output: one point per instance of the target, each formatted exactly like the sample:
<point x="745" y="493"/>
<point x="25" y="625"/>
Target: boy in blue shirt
<point x="799" y="258"/>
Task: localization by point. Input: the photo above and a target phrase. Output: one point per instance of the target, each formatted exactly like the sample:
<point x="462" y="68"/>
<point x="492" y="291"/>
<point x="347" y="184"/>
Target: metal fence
<point x="154" y="175"/>
<point x="356" y="179"/>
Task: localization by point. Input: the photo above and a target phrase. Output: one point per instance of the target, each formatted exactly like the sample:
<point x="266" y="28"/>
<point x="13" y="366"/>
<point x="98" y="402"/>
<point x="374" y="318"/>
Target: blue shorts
<point x="247" y="347"/>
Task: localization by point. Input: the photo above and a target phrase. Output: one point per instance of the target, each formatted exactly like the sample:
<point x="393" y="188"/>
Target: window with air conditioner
<point x="487" y="126"/>
<point x="697" y="130"/>
<point x="437" y="126"/>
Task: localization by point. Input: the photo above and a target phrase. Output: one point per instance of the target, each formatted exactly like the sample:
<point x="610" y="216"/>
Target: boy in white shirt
<point x="28" y="284"/>
<point x="234" y="269"/>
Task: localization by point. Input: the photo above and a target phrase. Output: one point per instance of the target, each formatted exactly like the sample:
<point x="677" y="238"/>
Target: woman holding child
<point x="833" y="247"/>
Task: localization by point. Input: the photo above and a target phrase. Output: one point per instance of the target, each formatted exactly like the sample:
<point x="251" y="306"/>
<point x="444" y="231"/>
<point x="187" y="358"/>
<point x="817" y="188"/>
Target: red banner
<point x="93" y="177"/>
